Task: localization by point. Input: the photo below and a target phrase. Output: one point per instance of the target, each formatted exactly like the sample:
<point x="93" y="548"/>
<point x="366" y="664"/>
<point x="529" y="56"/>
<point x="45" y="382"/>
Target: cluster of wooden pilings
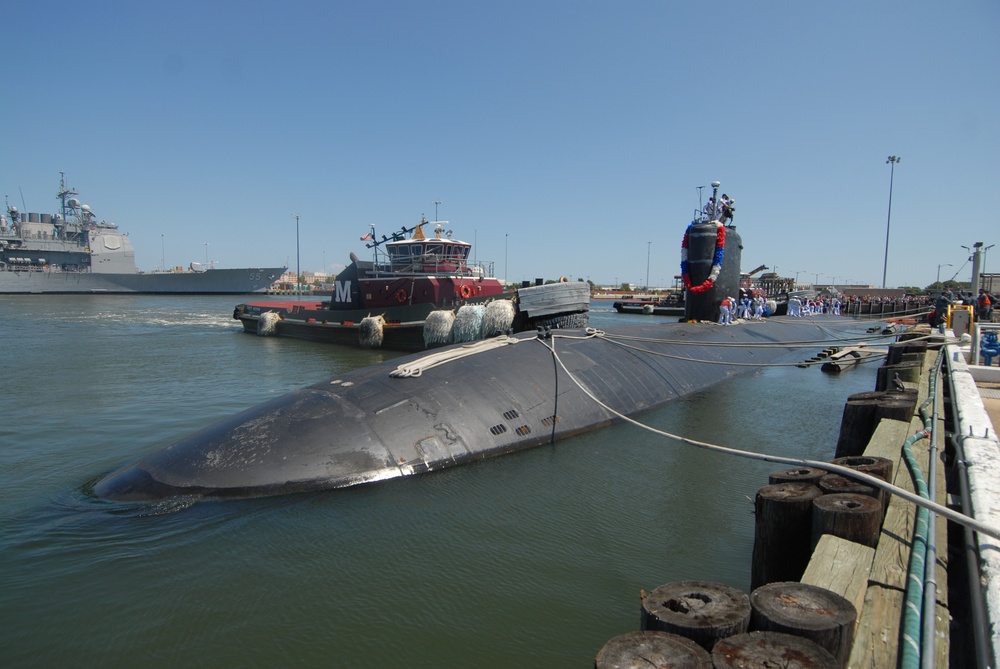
<point x="829" y="562"/>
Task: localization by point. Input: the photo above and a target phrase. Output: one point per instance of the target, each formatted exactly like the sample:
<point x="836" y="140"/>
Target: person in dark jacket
<point x="941" y="305"/>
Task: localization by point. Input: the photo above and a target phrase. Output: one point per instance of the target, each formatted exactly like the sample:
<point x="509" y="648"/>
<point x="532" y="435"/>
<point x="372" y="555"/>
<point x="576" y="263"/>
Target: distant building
<point x="310" y="281"/>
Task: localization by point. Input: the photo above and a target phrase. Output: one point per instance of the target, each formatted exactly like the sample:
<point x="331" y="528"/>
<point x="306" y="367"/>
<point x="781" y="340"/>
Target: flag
<point x="365" y="237"/>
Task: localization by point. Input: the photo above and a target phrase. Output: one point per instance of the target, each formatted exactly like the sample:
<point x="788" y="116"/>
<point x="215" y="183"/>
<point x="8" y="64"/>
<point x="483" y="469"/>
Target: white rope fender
<point x="416" y="367"/>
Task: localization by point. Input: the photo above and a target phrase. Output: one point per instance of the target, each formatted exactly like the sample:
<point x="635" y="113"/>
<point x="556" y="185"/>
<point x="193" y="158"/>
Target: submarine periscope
<point x="468" y="402"/>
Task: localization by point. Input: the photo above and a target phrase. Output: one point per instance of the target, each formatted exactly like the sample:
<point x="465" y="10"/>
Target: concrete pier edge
<point x="982" y="452"/>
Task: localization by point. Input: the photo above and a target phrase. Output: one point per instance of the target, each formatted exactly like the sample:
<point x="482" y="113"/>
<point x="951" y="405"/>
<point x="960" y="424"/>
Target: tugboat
<point x="418" y="292"/>
<point x="74" y="252"/>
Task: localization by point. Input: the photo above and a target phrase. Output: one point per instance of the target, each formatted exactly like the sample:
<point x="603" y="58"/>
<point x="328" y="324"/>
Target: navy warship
<point x="73" y="252"/>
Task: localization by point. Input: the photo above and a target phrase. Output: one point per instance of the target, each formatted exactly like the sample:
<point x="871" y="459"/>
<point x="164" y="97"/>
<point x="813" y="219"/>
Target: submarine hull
<point x="492" y="398"/>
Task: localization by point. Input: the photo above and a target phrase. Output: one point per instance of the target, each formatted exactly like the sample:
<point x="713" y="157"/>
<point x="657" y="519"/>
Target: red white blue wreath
<point x="720" y="252"/>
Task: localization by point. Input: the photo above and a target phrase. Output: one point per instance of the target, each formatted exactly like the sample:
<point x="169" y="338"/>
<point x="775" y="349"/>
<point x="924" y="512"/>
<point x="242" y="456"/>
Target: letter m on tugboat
<point x="342" y="292"/>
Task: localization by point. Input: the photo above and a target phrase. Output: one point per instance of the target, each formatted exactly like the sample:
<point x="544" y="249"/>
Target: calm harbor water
<point x="534" y="559"/>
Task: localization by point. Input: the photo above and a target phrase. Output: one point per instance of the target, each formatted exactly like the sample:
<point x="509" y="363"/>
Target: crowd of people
<point x="983" y="305"/>
<point x="750" y="307"/>
<point x="799" y="307"/>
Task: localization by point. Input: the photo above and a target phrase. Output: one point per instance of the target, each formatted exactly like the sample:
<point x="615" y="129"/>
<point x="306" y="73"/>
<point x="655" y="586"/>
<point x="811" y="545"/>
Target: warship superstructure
<point x="74" y="252"/>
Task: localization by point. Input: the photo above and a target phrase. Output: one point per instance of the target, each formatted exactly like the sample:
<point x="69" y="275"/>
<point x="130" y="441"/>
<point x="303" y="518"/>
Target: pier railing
<point x="885" y="309"/>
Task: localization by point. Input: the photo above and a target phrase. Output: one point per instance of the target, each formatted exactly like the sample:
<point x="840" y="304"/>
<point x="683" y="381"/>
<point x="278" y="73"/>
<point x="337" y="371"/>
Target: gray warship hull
<point x="243" y="281"/>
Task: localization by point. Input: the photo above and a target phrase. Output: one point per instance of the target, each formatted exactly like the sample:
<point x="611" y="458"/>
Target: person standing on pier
<point x="941" y="308"/>
<point x="985" y="304"/>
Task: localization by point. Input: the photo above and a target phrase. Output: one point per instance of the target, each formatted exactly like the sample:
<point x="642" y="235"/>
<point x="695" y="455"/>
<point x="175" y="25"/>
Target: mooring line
<point x="617" y="340"/>
<point x="796" y="462"/>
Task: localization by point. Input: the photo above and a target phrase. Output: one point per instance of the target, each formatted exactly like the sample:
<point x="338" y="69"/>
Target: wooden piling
<point x="782" y="532"/>
<point x="699" y="610"/>
<point x="848" y="516"/>
<point x="807" y="611"/>
<point x="908" y="372"/>
<point x="857" y="424"/>
<point x="868" y="464"/>
<point x="765" y="650"/>
<point x="796" y="475"/>
<point x="898" y="350"/>
<point x="872" y="465"/>
<point x="862" y="413"/>
<point x="895" y="405"/>
<point x="642" y="650"/>
<point x="835" y="484"/>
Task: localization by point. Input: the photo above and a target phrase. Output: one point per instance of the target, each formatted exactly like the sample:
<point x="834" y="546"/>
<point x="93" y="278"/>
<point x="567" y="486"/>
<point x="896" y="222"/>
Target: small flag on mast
<point x="365" y="237"/>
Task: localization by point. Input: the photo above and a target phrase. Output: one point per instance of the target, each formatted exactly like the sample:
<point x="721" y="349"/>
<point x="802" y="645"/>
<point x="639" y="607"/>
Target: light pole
<point x="648" y="247"/>
<point x="797" y="272"/>
<point x="506" y="235"/>
<point x="947" y="264"/>
<point x="891" y="161"/>
<point x="163" y="255"/>
<point x="298" y="270"/>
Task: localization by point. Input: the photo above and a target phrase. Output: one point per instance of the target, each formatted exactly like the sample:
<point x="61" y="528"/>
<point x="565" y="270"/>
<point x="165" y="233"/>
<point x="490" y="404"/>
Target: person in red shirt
<point x="726" y="311"/>
<point x="985" y="303"/>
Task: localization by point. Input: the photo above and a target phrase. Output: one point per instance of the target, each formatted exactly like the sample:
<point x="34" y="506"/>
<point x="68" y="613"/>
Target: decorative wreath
<point x="720" y="252"/>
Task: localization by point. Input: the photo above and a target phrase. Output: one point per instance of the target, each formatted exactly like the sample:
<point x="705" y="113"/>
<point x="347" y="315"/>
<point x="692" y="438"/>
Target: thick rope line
<point x="717" y="362"/>
<point x="796" y="462"/>
<point x="616" y="340"/>
<point x="417" y="367"/>
<point x="808" y="343"/>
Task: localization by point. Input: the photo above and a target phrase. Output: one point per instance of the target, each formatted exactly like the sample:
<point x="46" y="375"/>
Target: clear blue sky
<point x="560" y="136"/>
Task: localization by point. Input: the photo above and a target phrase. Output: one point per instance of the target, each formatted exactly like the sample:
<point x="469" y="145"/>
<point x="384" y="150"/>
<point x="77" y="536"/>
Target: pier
<point x="908" y="547"/>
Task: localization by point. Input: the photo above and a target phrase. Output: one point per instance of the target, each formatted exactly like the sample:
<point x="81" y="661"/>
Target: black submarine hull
<point x="367" y="425"/>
